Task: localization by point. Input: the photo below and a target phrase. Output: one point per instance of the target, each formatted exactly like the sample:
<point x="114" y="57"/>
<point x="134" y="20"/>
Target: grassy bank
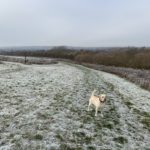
<point x="137" y="76"/>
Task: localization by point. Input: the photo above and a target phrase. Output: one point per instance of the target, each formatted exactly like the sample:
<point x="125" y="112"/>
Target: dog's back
<point x="94" y="99"/>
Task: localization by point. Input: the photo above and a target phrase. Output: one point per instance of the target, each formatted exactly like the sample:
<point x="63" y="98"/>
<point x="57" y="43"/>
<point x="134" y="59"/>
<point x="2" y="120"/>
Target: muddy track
<point x="45" y="107"/>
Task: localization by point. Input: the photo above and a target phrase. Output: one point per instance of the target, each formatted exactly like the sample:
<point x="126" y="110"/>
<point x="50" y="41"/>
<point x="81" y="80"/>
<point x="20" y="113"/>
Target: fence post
<point x="25" y="59"/>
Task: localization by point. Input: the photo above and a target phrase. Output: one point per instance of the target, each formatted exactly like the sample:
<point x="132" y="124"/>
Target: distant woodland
<point x="132" y="57"/>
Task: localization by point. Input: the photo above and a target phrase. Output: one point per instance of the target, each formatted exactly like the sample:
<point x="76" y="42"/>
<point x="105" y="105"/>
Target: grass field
<point x="45" y="107"/>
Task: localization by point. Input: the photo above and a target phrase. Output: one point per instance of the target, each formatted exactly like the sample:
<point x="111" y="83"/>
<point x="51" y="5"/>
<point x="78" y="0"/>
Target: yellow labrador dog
<point x="96" y="101"/>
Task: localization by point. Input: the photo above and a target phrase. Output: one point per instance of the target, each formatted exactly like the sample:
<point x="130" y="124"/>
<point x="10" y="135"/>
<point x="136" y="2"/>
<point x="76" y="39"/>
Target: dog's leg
<point x="102" y="113"/>
<point x="96" y="109"/>
<point x="89" y="106"/>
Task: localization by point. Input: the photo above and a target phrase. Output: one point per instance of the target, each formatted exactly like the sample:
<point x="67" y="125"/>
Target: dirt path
<point x="45" y="107"/>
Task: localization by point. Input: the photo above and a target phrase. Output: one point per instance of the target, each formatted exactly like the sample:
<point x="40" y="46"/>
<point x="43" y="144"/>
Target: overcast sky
<point x="75" y="22"/>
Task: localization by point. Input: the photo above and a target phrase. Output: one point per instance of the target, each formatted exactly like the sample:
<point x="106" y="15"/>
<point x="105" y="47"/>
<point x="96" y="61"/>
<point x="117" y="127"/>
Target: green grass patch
<point x="65" y="146"/>
<point x="81" y="137"/>
<point x="91" y="148"/>
<point x="38" y="137"/>
<point x="121" y="140"/>
<point x="60" y="137"/>
<point x="146" y="122"/>
<point x="128" y="104"/>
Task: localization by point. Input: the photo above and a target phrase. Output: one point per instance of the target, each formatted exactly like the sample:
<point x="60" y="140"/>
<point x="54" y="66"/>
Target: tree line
<point x="121" y="57"/>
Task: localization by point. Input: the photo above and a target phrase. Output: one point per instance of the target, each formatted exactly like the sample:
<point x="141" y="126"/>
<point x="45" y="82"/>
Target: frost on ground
<point x="45" y="107"/>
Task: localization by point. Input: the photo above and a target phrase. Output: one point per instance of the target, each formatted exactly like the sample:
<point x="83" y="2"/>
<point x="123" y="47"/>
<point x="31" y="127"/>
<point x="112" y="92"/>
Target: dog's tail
<point x="93" y="92"/>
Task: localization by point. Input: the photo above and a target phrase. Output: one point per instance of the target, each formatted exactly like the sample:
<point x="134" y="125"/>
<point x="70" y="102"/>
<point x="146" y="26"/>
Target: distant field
<point x="27" y="60"/>
<point x="45" y="107"/>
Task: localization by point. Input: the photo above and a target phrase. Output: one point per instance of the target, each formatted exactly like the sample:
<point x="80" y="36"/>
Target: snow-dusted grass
<point x="140" y="77"/>
<point x="45" y="107"/>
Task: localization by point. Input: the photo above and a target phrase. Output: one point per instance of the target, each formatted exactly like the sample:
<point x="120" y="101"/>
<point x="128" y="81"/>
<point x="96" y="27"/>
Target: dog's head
<point x="102" y="97"/>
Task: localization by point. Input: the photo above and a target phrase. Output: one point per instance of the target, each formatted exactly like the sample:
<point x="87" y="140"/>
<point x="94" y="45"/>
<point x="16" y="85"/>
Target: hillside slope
<point x="45" y="107"/>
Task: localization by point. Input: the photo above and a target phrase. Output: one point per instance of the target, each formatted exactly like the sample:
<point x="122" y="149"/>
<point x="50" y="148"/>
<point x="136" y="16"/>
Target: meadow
<point x="45" y="107"/>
